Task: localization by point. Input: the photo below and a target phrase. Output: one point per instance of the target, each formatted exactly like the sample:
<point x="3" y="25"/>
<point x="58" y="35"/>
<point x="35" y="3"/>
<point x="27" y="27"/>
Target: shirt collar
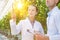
<point x="53" y="10"/>
<point x="29" y="20"/>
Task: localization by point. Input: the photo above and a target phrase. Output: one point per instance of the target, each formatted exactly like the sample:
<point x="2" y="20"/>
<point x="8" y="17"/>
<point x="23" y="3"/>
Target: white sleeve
<point x="15" y="29"/>
<point x="57" y="22"/>
<point x="54" y="37"/>
<point x="41" y="29"/>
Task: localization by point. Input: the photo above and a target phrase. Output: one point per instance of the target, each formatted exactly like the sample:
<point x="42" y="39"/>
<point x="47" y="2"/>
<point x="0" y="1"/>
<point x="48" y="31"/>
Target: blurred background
<point x="19" y="7"/>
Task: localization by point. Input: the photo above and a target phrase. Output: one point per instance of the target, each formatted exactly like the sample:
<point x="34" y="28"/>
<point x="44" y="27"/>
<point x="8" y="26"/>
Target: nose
<point x="30" y="11"/>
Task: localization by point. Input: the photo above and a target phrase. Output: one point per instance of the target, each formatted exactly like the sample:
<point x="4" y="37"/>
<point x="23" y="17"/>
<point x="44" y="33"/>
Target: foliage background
<point x="22" y="14"/>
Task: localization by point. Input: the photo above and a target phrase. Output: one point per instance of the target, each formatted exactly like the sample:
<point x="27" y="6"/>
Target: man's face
<point x="50" y="3"/>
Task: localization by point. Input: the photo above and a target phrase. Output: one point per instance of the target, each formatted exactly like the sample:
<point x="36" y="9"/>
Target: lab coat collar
<point x="28" y="21"/>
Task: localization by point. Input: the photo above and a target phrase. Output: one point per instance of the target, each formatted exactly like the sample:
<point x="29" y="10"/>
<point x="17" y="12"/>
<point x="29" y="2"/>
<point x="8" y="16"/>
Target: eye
<point x="29" y="9"/>
<point x="33" y="10"/>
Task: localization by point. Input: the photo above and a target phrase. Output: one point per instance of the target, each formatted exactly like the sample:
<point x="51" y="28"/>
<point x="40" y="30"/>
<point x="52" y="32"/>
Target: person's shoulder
<point x="56" y="13"/>
<point x="22" y="21"/>
<point x="37" y="22"/>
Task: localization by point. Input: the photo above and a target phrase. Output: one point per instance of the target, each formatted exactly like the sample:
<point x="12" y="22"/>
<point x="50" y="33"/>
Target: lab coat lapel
<point x="29" y="23"/>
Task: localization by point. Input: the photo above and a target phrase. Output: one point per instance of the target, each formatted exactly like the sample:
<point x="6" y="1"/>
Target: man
<point x="53" y="21"/>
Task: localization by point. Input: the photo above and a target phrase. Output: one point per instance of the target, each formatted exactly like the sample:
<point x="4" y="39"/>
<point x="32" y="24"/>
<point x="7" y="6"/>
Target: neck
<point x="32" y="19"/>
<point x="51" y="7"/>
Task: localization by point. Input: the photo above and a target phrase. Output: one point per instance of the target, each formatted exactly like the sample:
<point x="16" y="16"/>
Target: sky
<point x="5" y="6"/>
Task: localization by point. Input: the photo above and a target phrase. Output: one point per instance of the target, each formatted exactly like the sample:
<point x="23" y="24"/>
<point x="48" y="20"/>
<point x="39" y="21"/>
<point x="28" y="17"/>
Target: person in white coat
<point x="27" y="27"/>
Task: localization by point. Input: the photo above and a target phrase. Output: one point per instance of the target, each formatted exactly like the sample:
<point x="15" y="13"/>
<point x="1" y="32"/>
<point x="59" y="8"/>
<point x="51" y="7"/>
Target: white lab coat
<point x="23" y="26"/>
<point x="53" y="24"/>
